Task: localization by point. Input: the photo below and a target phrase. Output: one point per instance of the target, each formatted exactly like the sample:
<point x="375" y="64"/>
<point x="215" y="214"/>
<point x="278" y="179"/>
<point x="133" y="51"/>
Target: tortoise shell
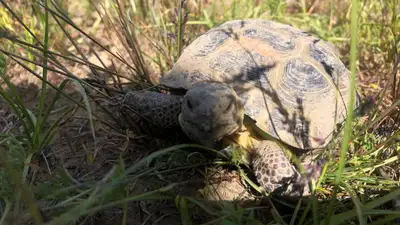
<point x="291" y="83"/>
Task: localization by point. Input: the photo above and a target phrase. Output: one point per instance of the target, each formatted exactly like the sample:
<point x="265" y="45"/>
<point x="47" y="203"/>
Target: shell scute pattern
<point x="291" y="97"/>
<point x="179" y="78"/>
<point x="265" y="24"/>
<point x="241" y="66"/>
<point x="245" y="71"/>
<point x="274" y="40"/>
<point x="234" y="24"/>
<point x="196" y="76"/>
<point x="333" y="66"/>
<point x="296" y="125"/>
<point x="209" y="42"/>
<point x="295" y="32"/>
<point x="291" y="31"/>
<point x="224" y="62"/>
<point x="252" y="106"/>
<point x="281" y="28"/>
<point x="302" y="78"/>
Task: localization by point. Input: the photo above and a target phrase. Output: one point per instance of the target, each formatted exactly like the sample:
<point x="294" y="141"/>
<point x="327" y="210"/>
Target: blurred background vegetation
<point x="66" y="158"/>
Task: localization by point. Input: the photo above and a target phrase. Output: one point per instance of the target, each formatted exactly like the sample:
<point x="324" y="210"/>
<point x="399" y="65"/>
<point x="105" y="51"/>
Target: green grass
<point x="349" y="120"/>
<point x="355" y="188"/>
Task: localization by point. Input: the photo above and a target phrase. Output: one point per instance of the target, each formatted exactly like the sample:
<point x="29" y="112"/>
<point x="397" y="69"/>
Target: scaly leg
<point x="161" y="110"/>
<point x="276" y="174"/>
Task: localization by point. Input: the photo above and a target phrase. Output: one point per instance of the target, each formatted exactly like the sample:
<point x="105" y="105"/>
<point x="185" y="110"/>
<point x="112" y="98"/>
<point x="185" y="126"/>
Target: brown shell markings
<point x="292" y="83"/>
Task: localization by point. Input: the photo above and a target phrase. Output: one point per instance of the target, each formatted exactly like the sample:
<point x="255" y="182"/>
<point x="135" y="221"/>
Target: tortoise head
<point x="210" y="111"/>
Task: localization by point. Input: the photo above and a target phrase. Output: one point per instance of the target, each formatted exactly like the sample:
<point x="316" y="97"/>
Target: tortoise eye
<point x="189" y="105"/>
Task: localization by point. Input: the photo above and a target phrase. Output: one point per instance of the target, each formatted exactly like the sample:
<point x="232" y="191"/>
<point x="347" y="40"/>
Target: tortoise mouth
<point x="206" y="137"/>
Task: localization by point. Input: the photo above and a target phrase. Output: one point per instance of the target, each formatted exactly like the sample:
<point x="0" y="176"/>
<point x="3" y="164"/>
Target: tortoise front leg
<point x="161" y="110"/>
<point x="276" y="174"/>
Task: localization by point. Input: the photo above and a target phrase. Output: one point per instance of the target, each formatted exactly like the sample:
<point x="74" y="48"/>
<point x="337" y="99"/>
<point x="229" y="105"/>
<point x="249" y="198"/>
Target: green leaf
<point x="3" y="65"/>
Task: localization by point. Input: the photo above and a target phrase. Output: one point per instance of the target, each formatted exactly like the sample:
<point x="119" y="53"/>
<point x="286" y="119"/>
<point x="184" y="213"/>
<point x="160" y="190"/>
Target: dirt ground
<point x="68" y="155"/>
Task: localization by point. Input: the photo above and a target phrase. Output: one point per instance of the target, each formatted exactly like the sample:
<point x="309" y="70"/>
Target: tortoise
<point x="260" y="84"/>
